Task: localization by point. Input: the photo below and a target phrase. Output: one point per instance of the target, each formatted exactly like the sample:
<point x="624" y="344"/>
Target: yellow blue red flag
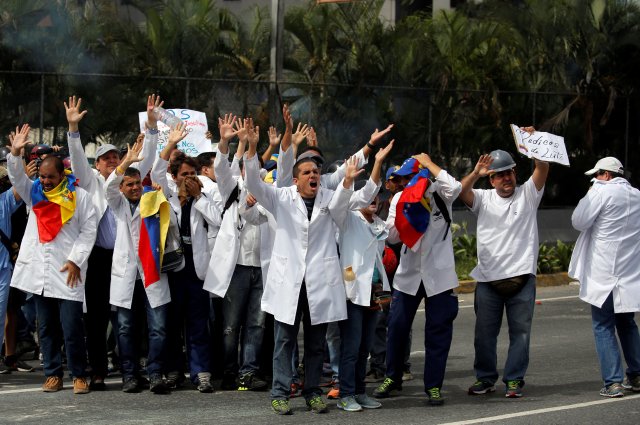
<point x="55" y="207"/>
<point x="154" y="211"/>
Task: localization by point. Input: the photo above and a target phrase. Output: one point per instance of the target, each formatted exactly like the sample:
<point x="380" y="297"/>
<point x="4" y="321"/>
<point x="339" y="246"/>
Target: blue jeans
<point x="5" y="281"/>
<point x="241" y="310"/>
<point x="56" y="315"/>
<point x="189" y="306"/>
<point x="489" y="306"/>
<point x="440" y="311"/>
<point x="128" y="335"/>
<point x="605" y="324"/>
<point x="378" y="359"/>
<point x="334" y="347"/>
<point x="356" y="338"/>
<point x="285" y="340"/>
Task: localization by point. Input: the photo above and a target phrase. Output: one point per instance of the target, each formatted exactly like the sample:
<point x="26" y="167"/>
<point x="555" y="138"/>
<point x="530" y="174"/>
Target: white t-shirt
<point x="507" y="232"/>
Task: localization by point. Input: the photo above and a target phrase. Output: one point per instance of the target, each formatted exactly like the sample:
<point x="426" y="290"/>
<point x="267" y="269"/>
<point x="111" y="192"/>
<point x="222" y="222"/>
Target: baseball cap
<point x="391" y="170"/>
<point x="104" y="149"/>
<point x="608" y="163"/>
<point x="313" y="155"/>
<point x="409" y="166"/>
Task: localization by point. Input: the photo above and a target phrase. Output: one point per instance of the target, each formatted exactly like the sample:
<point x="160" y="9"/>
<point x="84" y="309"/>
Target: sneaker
<point x="407" y="376"/>
<point x="20" y="366"/>
<point x="316" y="405"/>
<point x="52" y="384"/>
<point x="330" y="383"/>
<point x="296" y="390"/>
<point x="435" y="397"/>
<point x="481" y="387"/>
<point x="143" y="382"/>
<point x="80" y="385"/>
<point x="632" y="384"/>
<point x="281" y="407"/>
<point x="174" y="379"/>
<point x="4" y="369"/>
<point x="229" y="382"/>
<point x="373" y="376"/>
<point x="251" y="382"/>
<point x="514" y="389"/>
<point x="131" y="385"/>
<point x="25" y="347"/>
<point x="97" y="383"/>
<point x="334" y="393"/>
<point x="157" y="385"/>
<point x="388" y="385"/>
<point x="613" y="390"/>
<point x="349" y="404"/>
<point x="367" y="402"/>
<point x="204" y="382"/>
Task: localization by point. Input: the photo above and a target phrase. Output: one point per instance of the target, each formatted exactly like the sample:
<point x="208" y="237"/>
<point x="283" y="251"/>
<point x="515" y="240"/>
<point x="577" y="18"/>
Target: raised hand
<point x="132" y="156"/>
<point x="482" y="166"/>
<point x="353" y="170"/>
<point x="74" y="116"/>
<point x="225" y="125"/>
<point x="383" y="153"/>
<point x="253" y="133"/>
<point x="376" y="136"/>
<point x="301" y="133"/>
<point x="312" y="139"/>
<point x="286" y="114"/>
<point x="152" y="117"/>
<point x="19" y="139"/>
<point x="274" y="137"/>
<point x="177" y="134"/>
<point x="241" y="130"/>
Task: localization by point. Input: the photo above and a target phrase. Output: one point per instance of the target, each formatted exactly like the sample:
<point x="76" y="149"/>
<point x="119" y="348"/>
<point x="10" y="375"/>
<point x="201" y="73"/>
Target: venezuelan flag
<point x="55" y="207"/>
<point x="154" y="211"/>
<point x="272" y="175"/>
<point x="413" y="211"/>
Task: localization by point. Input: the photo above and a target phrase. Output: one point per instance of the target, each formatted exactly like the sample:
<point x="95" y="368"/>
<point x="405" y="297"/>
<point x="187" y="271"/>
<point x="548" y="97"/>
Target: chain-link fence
<point x="453" y="126"/>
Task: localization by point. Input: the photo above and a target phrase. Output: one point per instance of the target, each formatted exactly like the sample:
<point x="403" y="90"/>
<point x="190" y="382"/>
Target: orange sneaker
<point x="334" y="393"/>
<point x="80" y="386"/>
<point x="52" y="384"/>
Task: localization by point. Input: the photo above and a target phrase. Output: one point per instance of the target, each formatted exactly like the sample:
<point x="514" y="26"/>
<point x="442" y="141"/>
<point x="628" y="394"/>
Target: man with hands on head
<point x="98" y="284"/>
<point x="60" y="234"/>
<point x="304" y="280"/>
<point x="507" y="234"/>
<point x="426" y="271"/>
<point x="190" y="302"/>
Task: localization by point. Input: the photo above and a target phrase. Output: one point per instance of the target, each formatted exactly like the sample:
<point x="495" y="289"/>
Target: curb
<point x="542" y="280"/>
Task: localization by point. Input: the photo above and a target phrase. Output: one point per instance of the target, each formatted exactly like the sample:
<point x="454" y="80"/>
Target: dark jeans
<point x="285" y="340"/>
<point x="356" y="337"/>
<point x="489" y="307"/>
<point x="189" y="311"/>
<point x="378" y="359"/>
<point x="96" y="292"/>
<point x="56" y="315"/>
<point x="128" y="342"/>
<point x="440" y="311"/>
<point x="242" y="311"/>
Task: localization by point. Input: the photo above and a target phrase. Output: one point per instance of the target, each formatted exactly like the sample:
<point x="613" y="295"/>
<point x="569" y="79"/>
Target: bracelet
<point x="372" y="147"/>
<point x="119" y="170"/>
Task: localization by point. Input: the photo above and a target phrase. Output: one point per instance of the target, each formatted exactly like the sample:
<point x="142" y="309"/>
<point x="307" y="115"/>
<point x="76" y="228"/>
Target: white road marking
<point x="546" y="410"/>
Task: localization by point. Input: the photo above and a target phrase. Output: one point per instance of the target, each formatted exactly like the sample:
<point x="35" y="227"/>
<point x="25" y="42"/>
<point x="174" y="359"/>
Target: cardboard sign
<point x="540" y="145"/>
<point x="195" y="143"/>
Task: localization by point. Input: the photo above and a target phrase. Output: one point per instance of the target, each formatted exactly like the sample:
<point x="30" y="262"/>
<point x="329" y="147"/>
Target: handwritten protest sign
<point x="540" y="145"/>
<point x="195" y="143"/>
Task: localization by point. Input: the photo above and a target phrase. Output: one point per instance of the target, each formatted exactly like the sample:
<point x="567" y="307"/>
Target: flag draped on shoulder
<point x="413" y="211"/>
<point x="154" y="225"/>
<point x="55" y="207"/>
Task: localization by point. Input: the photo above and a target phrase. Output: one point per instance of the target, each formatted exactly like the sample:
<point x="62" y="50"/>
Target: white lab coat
<point x="431" y="260"/>
<point x="361" y="248"/>
<point x="38" y="264"/>
<point x="210" y="188"/>
<point x="605" y="258"/>
<point x="303" y="251"/>
<point x="92" y="181"/>
<point x="204" y="209"/>
<point x="126" y="264"/>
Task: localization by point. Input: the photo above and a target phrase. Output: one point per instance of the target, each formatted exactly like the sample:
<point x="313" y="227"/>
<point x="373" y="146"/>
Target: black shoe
<point x="204" y="382"/>
<point x="131" y="385"/>
<point x="97" y="383"/>
<point x="175" y="379"/>
<point x="157" y="385"/>
<point x="251" y="382"/>
<point x="143" y="382"/>
<point x="229" y="382"/>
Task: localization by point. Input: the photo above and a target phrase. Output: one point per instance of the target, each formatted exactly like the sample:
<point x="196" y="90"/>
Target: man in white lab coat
<point x="60" y="234"/>
<point x="305" y="280"/>
<point x="605" y="261"/>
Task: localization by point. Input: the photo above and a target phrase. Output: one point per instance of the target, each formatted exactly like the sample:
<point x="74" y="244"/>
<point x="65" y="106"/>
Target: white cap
<point x="608" y="163"/>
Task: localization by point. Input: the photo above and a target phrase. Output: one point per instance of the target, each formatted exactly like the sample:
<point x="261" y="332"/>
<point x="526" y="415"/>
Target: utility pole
<point x="276" y="57"/>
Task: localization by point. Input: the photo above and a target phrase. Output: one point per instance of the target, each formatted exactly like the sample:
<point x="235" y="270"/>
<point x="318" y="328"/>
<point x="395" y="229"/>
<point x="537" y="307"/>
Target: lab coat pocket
<point x="443" y="255"/>
<point x="332" y="270"/>
<point x="119" y="265"/>
<point x="277" y="269"/>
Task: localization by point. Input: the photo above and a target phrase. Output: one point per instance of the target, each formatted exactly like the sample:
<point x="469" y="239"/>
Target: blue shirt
<point x="8" y="205"/>
<point x="106" y="237"/>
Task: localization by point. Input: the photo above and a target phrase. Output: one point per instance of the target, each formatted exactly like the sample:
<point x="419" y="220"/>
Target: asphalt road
<point x="562" y="387"/>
